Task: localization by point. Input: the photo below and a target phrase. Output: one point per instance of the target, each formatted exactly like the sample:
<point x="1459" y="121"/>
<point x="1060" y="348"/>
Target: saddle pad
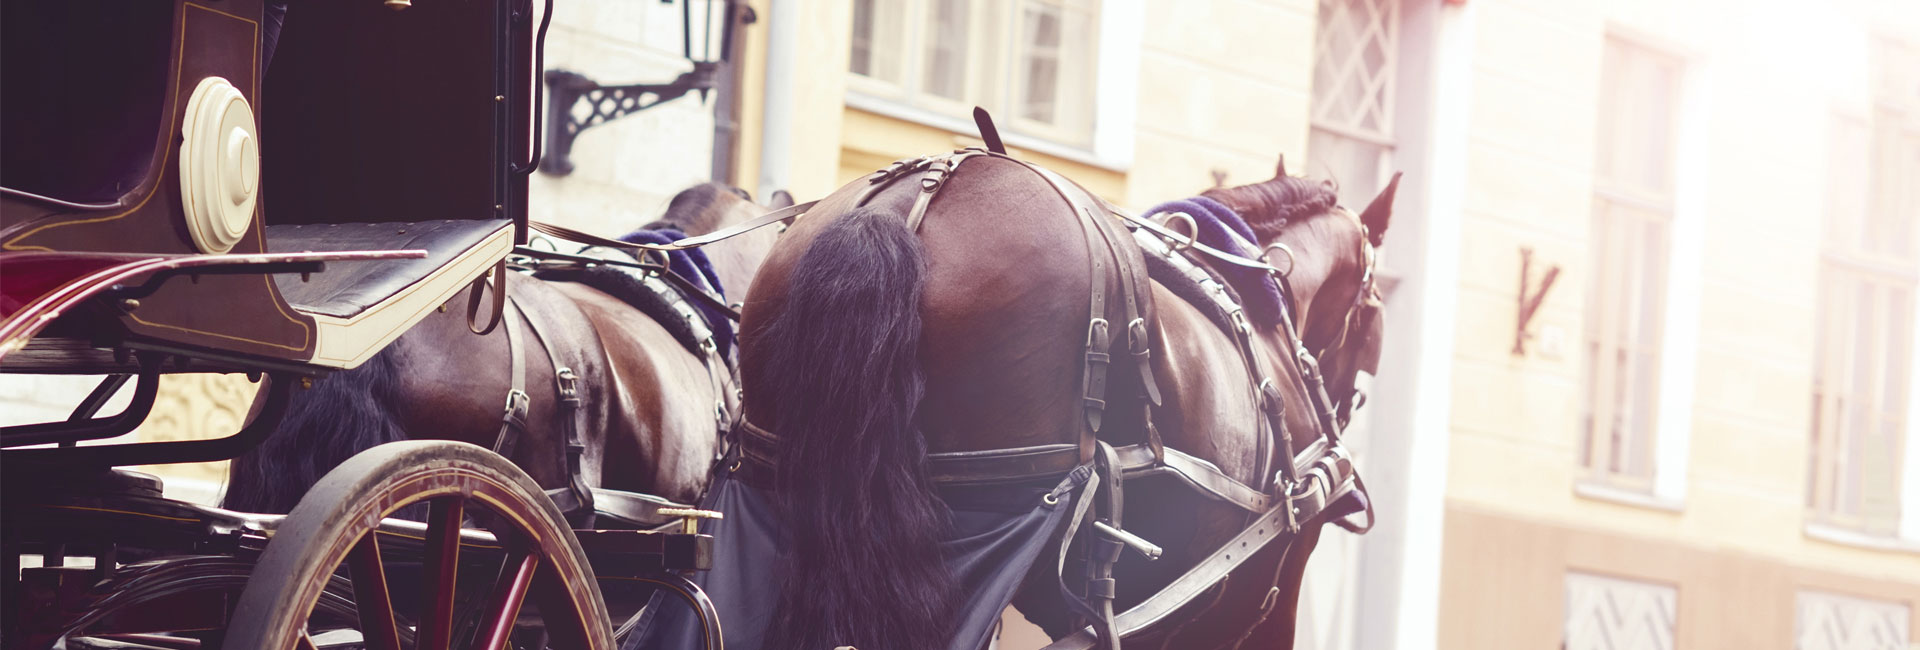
<point x="988" y="550"/>
<point x="693" y="265"/>
<point x="1221" y="228"/>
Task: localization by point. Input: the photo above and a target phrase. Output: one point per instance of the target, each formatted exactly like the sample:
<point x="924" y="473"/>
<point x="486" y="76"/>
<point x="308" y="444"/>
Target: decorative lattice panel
<point x="1824" y="621"/>
<point x="1606" y="613"/>
<point x="1353" y="59"/>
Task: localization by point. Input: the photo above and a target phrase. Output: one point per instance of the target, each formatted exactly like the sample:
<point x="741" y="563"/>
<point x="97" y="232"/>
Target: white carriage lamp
<point x="577" y="103"/>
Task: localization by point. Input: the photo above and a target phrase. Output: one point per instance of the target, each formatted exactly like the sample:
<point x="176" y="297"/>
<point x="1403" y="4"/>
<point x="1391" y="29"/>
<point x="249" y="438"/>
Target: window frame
<point x="1112" y="65"/>
<point x="1662" y="440"/>
<point x="1850" y="263"/>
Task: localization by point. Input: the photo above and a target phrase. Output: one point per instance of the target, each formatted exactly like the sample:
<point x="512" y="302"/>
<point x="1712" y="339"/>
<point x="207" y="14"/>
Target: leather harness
<point x="580" y="502"/>
<point x="576" y="499"/>
<point x="1305" y="485"/>
<point x="1308" y="481"/>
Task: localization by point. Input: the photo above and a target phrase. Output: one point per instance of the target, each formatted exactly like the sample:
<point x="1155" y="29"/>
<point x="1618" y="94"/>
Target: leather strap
<point x="514" y="420"/>
<point x="1190" y="585"/>
<point x="1138" y="461"/>
<point x="498" y="280"/>
<point x="783" y="214"/>
<point x="567" y="408"/>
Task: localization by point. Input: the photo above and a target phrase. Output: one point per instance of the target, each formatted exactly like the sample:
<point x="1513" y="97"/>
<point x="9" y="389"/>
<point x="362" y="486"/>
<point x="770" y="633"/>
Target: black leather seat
<point x="348" y="288"/>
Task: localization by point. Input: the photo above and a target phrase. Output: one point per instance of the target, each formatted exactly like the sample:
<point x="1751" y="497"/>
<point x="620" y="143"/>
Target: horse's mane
<point x="1269" y="205"/>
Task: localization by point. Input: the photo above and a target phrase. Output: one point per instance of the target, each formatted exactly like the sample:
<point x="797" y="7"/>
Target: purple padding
<point x="1259" y="293"/>
<point x="693" y="265"/>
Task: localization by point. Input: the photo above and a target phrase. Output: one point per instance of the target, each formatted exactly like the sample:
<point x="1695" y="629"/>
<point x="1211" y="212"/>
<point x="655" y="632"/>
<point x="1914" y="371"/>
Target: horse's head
<point x="1327" y="253"/>
<point x="708" y="207"/>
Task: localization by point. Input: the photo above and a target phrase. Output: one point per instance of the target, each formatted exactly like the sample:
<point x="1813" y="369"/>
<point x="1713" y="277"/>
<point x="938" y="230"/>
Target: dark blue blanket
<point x="997" y="535"/>
<point x="1219" y="225"/>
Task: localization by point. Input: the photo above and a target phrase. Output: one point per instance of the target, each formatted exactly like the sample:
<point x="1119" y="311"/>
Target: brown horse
<point x="868" y="343"/>
<point x="646" y="420"/>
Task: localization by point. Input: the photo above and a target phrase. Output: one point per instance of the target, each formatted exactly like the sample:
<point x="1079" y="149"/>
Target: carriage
<point x="152" y="221"/>
<point x="169" y="207"/>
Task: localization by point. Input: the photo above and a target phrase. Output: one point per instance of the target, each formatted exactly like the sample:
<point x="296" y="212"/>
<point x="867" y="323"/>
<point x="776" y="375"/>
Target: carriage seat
<point x="346" y="290"/>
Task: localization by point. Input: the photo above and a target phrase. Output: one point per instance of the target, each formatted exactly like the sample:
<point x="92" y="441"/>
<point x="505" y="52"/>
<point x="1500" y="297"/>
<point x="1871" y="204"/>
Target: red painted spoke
<point x="370" y="595"/>
<point x="442" y="564"/>
<point x="504" y="606"/>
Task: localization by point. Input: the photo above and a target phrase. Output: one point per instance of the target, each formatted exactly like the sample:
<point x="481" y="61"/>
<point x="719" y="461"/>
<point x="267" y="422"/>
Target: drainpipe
<point x="726" y="96"/>
<point x="776" y="139"/>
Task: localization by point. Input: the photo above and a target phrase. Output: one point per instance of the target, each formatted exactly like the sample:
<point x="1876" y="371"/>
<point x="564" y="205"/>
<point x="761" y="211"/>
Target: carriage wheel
<point x="540" y="564"/>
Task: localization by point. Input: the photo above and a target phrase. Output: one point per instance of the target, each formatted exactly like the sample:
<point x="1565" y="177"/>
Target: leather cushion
<point x="347" y="288"/>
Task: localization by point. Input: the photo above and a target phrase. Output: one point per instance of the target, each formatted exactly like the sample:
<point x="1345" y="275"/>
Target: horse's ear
<point x="1379" y="211"/>
<point x="780" y="199"/>
<point x="1280" y="170"/>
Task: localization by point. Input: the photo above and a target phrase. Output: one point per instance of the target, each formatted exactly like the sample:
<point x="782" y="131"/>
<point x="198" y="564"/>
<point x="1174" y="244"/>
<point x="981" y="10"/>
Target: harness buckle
<point x="566" y="381"/>
<point x="1137" y="337"/>
<point x="1097" y="335"/>
<point x="517" y="404"/>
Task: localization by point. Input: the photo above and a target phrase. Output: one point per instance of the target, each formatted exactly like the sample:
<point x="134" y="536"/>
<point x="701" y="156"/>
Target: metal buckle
<point x="1097" y="328"/>
<point x="566" y="380"/>
<point x="1137" y="336"/>
<point x="517" y="403"/>
<point x="1239" y="318"/>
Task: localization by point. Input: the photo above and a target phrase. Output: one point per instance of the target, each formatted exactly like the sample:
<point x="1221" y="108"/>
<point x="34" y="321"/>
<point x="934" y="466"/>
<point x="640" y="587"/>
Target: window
<point x="1031" y="62"/>
<point x="1632" y="220"/>
<point x="1864" y="330"/>
<point x="1352" y="138"/>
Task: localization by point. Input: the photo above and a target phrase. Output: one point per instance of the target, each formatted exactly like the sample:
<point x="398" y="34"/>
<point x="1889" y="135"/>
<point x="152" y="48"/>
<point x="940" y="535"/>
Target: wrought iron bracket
<point x="572" y="91"/>
<point x="1530" y="298"/>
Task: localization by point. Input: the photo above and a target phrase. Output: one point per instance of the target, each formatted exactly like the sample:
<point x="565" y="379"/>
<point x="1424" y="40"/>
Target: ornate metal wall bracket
<point x="604" y="104"/>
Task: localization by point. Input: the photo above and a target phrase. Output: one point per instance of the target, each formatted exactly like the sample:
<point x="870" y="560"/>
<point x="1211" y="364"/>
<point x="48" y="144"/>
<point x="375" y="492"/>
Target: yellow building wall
<point x="1515" y="419"/>
<point x="1224" y="85"/>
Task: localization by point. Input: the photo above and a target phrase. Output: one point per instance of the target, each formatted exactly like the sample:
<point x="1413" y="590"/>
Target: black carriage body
<point x="419" y="120"/>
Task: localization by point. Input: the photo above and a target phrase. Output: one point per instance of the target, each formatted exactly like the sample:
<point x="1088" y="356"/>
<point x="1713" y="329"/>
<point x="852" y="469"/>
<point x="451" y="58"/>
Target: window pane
<point x="1897" y="354"/>
<point x="1639" y="96"/>
<point x="1354" y="52"/>
<point x="1040" y="61"/>
<point x="861" y="61"/>
<point x="947" y="49"/>
<point x="877" y="27"/>
<point x="1849" y="179"/>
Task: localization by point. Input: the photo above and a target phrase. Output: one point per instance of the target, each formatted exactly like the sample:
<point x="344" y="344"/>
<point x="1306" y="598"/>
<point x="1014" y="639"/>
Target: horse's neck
<point x="1321" y="259"/>
<point x="736" y="260"/>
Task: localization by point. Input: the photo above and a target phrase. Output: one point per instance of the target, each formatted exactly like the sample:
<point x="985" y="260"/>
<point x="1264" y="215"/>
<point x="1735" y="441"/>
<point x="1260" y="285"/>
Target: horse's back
<point x="1004" y="309"/>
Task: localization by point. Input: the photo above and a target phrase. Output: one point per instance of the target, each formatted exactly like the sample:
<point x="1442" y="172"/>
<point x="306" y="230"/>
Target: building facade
<point x="1651" y="311"/>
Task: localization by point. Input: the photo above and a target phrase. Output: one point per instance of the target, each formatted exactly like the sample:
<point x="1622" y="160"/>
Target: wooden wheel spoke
<point x="503" y="607"/>
<point x="442" y="573"/>
<point x="330" y="536"/>
<point x="371" y="597"/>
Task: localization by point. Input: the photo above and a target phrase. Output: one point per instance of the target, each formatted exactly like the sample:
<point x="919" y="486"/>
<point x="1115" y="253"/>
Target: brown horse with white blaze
<point x="869" y="342"/>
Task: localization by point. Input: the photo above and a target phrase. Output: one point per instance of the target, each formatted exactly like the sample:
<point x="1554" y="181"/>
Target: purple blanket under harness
<point x="1223" y="229"/>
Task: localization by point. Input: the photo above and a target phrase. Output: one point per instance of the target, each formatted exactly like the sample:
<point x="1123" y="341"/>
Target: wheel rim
<point x="336" y="526"/>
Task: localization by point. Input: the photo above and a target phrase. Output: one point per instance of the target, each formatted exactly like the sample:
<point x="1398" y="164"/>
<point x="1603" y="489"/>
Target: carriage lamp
<point x="577" y="103"/>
